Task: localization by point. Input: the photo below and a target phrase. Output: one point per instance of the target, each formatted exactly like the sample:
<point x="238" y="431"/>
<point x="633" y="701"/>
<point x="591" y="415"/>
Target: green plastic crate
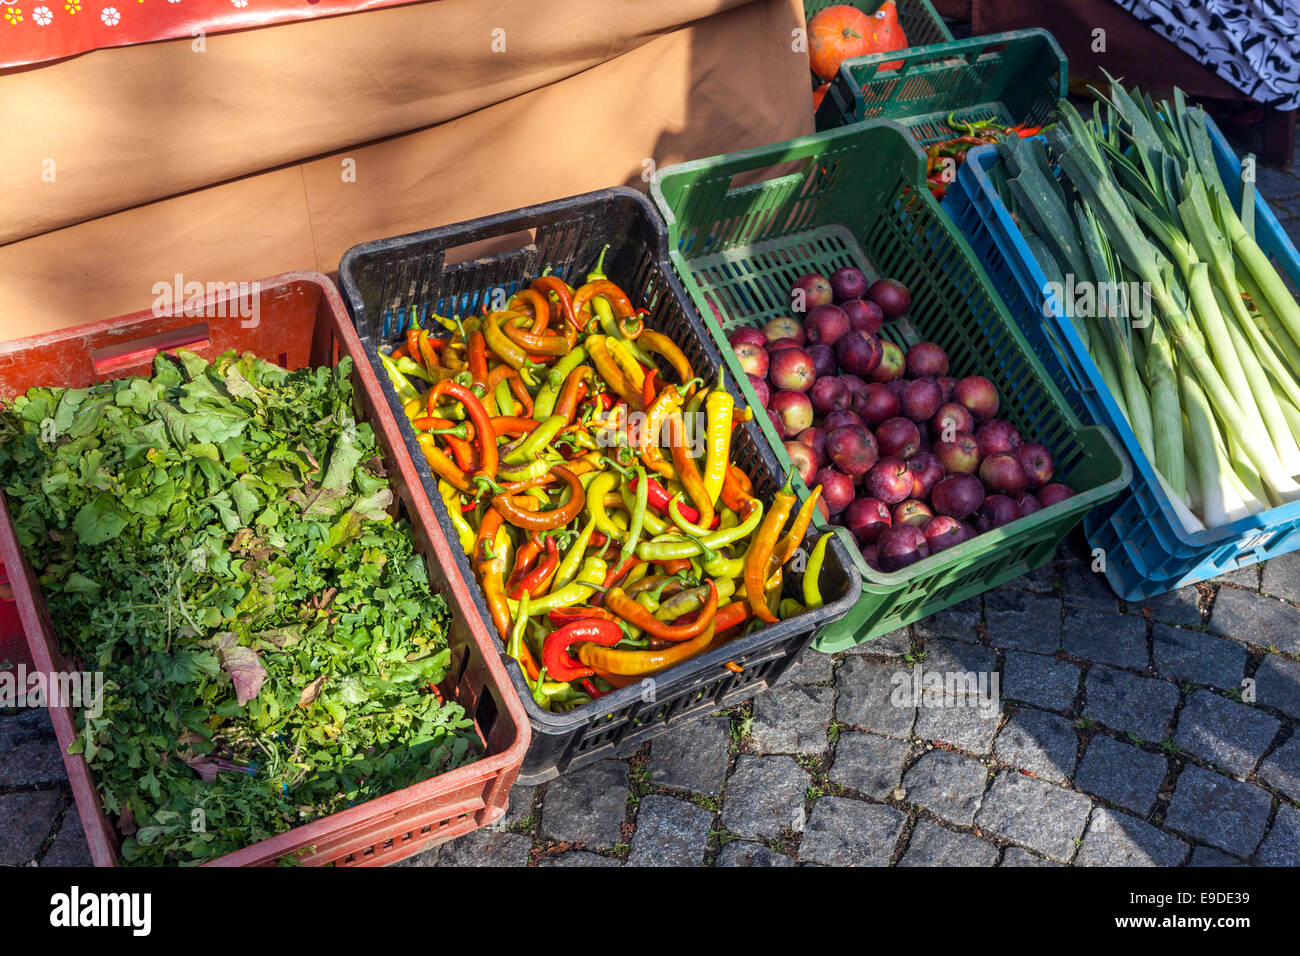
<point x="1009" y="78"/>
<point x="854" y="197"/>
<point x="921" y="25"/>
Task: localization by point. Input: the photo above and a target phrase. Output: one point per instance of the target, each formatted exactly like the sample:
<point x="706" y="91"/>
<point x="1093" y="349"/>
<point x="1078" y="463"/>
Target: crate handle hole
<point x="749" y="178"/>
<point x="122" y="355"/>
<point x="486" y="248"/>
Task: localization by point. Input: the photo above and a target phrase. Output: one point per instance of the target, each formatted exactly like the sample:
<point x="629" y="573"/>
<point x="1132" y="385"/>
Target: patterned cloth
<point x="33" y="31"/>
<point x="1253" y="44"/>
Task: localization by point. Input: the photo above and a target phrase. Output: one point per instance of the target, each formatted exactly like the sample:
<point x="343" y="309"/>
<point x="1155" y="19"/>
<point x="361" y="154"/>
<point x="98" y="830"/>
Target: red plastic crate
<point x="302" y="323"/>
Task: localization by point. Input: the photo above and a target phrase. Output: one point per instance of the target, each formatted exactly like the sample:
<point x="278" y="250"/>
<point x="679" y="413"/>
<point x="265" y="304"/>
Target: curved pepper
<point x="812" y="594"/>
<point x="451" y="498"/>
<point x="538" y="440"/>
<point x="616" y="297"/>
<point x="484" y="433"/>
<point x="545" y="520"/>
<point x="618" y="601"/>
<point x="554" y="285"/>
<point x="761" y="550"/>
<point x="666" y="348"/>
<point x="587" y="583"/>
<point x="555" y="651"/>
<point x="535" y="301"/>
<point x="599" y="349"/>
<point x="607" y="660"/>
<point x="794" y="537"/>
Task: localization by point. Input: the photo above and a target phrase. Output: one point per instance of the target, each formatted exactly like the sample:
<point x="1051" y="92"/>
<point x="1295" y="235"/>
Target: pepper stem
<point x="598" y="270"/>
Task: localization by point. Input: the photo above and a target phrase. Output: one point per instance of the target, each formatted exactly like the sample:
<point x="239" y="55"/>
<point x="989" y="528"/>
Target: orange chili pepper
<point x="476" y="359"/>
<point x="689" y="474"/>
<point x="540" y="306"/>
<point x="554" y="284"/>
<point x="514" y="511"/>
<point x="760" y="550"/>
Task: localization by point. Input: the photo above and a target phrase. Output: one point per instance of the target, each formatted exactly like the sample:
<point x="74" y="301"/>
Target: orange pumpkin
<point x="838" y="33"/>
<point x="887" y="34"/>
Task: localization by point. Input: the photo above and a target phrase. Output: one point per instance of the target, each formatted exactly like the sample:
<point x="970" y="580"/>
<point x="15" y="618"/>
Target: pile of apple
<point x="910" y="459"/>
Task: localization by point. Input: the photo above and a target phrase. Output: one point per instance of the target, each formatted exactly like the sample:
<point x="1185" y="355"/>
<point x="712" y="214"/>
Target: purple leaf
<point x="243" y="666"/>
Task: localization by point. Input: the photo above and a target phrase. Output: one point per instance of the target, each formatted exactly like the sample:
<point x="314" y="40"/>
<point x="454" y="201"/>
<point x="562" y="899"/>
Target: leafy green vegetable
<point x="216" y="540"/>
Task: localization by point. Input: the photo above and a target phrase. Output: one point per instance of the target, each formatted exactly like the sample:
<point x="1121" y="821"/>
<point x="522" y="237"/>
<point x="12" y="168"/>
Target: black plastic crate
<point x="383" y="280"/>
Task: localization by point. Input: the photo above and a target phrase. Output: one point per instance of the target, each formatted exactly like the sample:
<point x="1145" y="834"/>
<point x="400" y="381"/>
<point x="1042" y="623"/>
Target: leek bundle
<point x="1195" y="333"/>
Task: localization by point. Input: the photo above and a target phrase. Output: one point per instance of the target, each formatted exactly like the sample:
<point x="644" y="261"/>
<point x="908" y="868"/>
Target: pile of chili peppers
<point x="587" y="472"/>
<point x="939" y="172"/>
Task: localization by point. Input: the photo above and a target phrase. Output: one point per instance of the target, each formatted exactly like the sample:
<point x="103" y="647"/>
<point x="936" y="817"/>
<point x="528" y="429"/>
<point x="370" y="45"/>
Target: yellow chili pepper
<point x="627" y="362"/>
<point x="717" y="448"/>
<point x="603" y="359"/>
<point x="451" y="498"/>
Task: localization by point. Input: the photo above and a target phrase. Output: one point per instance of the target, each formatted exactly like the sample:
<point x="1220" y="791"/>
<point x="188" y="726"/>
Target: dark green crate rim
<point x="1013" y="77"/>
<point x="936" y="231"/>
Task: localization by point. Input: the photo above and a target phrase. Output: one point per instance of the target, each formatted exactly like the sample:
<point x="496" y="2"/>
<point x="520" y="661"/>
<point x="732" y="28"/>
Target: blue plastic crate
<point x="1147" y="549"/>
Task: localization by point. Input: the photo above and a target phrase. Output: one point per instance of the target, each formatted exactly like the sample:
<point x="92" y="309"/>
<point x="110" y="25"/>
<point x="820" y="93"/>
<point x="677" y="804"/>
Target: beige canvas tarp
<point x="278" y="148"/>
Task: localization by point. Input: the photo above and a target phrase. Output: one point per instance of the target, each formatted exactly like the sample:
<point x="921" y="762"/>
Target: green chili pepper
<point x="405" y="390"/>
<point x="514" y="645"/>
<point x="812" y="594"/>
<point x="670" y="547"/>
<point x="598" y="270"/>
<point x="638" y="517"/>
<point x="535" y="442"/>
<point x="505" y="401"/>
<point x="409" y="367"/>
<point x="721" y="567"/>
<point x="589" y="580"/>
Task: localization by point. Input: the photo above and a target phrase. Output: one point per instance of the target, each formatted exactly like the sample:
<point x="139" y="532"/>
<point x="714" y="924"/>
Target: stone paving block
<point x="576" y="858"/>
<point x="587" y="805"/>
<point x="1281" y="768"/>
<point x="1118" y="639"/>
<point x="1276" y="183"/>
<point x="949" y="656"/>
<point x="1282" y="845"/>
<point x="1281" y="577"/>
<point x="1041" y="680"/>
<point x="1195" y="656"/>
<point x="1208" y="856"/>
<point x="26" y="819"/>
<point x="1229" y="735"/>
<point x="29" y="751"/>
<point x="1116" y="839"/>
<point x="1085" y="587"/>
<point x="693" y="756"/>
<point x="764" y="796"/>
<point x="865" y="688"/>
<point x="969" y="726"/>
<point x="1218" y="810"/>
<point x="1125" y="702"/>
<point x="792" y="719"/>
<point x="957" y="623"/>
<point x="1277" y="684"/>
<point x="1035" y="814"/>
<point x="521" y="806"/>
<point x="486" y="848"/>
<point x="932" y="845"/>
<point x="744" y="853"/>
<point x="894" y="644"/>
<point x="1044" y="580"/>
<point x="70" y="847"/>
<point x="1023" y="620"/>
<point x="1044" y="744"/>
<point x="814" y="668"/>
<point x="1017" y="856"/>
<point x="1256" y="619"/>
<point x="1122" y="774"/>
<point x="1181" y="607"/>
<point x="669" y="832"/>
<point x="1243" y="578"/>
<point x="947" y="784"/>
<point x="844" y="832"/>
<point x="869" y="763"/>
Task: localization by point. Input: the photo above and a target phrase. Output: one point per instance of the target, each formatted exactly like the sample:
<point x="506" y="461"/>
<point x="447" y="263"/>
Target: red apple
<point x="863" y="315"/>
<point x="1003" y="474"/>
<point x="901" y="545"/>
<point x="889" y="481"/>
<point x="942" y="532"/>
<point x="848" y="283"/>
<point x="858" y="352"/>
<point x="877" y="403"/>
<point x="805" y="460"/>
<point x="792" y="369"/>
<point x="748" y="335"/>
<point x="927" y="471"/>
<point x="866" y="518"/>
<point x="950" y="419"/>
<point x="997" y="435"/>
<point x="911" y="511"/>
<point x="891" y="362"/>
<point x="823" y="357"/>
<point x="841" y="418"/>
<point x="761" y="389"/>
<point x="752" y="358"/>
<point x="814" y="438"/>
<point x="921" y="399"/>
<point x="1054" y="494"/>
<point x="1028" y="504"/>
<point x="784" y="327"/>
<point x="996" y="511"/>
<point x="898" y="437"/>
<point x="829" y="395"/>
<point x="852" y="449"/>
<point x="892" y="296"/>
<point x="1037" y="462"/>
<point x="946" y="384"/>
<point x="926" y="360"/>
<point x="777" y="424"/>
<point x="957" y="496"/>
<point x="794" y="409"/>
<point x="837" y="489"/>
<point x="961" y="455"/>
<point x="979" y="395"/>
<point x="825" y="324"/>
<point x="779" y="344"/>
<point x="809" y="291"/>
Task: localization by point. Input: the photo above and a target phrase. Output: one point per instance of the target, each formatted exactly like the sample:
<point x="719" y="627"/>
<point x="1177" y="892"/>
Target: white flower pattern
<point x="42" y="15"/>
<point x="110" y="16"/>
<point x="240" y="3"/>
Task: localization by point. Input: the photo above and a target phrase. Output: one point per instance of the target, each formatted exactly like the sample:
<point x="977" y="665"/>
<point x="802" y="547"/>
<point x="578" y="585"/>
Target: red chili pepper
<point x="559" y="663"/>
<point x="567" y="615"/>
<point x="535" y="581"/>
<point x="591" y="689"/>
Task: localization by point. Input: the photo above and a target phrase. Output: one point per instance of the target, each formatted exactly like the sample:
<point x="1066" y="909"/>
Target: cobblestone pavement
<point x="1127" y="735"/>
